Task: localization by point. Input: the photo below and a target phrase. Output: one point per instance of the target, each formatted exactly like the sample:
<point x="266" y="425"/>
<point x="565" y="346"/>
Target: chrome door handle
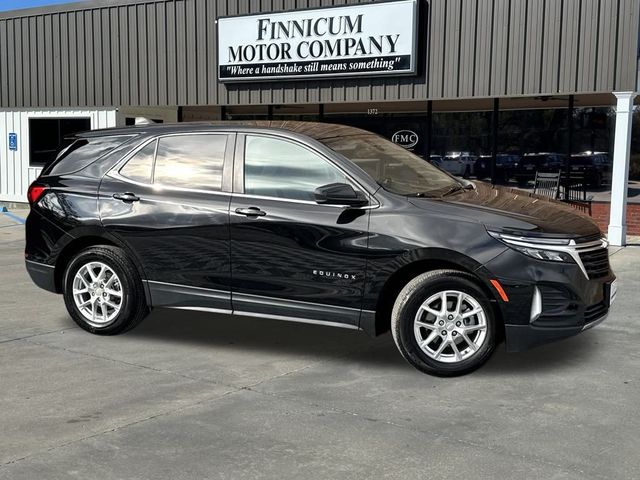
<point x="126" y="197"/>
<point x="251" y="212"/>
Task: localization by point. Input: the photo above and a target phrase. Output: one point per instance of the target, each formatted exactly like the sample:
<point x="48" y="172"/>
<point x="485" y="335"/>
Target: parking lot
<point x="191" y="395"/>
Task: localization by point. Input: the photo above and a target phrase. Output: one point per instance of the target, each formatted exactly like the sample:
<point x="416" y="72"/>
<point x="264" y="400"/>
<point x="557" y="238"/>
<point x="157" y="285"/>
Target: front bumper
<point x="569" y="302"/>
<point x="524" y="337"/>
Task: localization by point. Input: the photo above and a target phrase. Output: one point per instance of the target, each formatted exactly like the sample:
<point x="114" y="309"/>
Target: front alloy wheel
<point x="450" y="326"/>
<point x="443" y="324"/>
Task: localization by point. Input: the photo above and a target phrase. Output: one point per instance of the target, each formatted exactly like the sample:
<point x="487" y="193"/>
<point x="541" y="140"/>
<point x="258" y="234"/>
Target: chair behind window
<point x="547" y="185"/>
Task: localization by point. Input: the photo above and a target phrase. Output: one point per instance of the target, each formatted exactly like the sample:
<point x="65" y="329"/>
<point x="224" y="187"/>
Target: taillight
<point x="35" y="192"/>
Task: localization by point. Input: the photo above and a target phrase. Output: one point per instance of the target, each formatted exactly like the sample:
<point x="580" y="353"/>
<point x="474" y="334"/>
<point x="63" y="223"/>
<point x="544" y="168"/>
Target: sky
<point x="17" y="4"/>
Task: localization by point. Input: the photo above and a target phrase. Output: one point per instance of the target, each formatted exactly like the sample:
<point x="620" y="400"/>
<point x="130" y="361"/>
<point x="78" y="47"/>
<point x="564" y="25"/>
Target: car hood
<point x="512" y="210"/>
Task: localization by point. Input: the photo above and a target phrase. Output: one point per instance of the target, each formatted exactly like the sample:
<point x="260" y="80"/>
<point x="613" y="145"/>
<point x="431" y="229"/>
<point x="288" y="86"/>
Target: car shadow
<point x="256" y="335"/>
<point x="250" y="334"/>
<point x="554" y="356"/>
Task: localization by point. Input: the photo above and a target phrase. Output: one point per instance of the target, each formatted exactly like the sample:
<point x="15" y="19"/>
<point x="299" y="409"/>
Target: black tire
<point x="133" y="308"/>
<point x="404" y="313"/>
<point x="467" y="172"/>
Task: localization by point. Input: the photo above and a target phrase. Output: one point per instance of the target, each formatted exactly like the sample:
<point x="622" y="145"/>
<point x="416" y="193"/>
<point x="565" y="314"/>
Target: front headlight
<point x="544" y="254"/>
<point x="540" y="248"/>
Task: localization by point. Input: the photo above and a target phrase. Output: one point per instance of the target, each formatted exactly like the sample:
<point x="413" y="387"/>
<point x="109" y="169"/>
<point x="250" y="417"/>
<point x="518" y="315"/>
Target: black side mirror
<point x="340" y="194"/>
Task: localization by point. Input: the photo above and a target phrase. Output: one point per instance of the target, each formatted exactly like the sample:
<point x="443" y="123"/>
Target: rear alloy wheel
<point x="103" y="291"/>
<point x="97" y="293"/>
<point x="443" y="324"/>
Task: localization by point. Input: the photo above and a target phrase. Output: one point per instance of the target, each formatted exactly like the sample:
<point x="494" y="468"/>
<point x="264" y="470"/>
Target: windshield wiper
<point x="452" y="189"/>
<point x="457" y="188"/>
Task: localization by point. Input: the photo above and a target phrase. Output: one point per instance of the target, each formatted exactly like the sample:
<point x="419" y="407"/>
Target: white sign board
<point x="356" y="40"/>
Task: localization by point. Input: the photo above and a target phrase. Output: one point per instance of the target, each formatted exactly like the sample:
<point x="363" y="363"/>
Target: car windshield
<point x="392" y="167"/>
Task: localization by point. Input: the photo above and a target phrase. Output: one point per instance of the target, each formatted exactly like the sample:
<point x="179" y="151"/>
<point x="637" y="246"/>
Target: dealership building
<point x="477" y="78"/>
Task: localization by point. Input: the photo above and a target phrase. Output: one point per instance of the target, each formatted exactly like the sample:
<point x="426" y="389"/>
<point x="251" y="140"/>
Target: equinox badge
<point x="324" y="273"/>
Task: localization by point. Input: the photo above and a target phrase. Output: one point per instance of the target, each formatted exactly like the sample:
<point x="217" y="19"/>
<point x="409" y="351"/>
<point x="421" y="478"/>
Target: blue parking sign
<point x="13" y="142"/>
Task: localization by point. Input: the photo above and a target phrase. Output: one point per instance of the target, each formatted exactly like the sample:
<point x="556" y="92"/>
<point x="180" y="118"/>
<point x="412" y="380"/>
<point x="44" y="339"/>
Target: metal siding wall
<point x="606" y="36"/>
<point x="500" y="47"/>
<point x="532" y="60"/>
<point x="134" y="53"/>
<point x="626" y="66"/>
<point x="163" y="53"/>
<point x="452" y="49"/>
<point x="569" y="45"/>
<point x="56" y="80"/>
<point x="11" y="61"/>
<point x="436" y="52"/>
<point x="552" y="24"/>
<point x="4" y="72"/>
<point x="64" y="62"/>
<point x="517" y="46"/>
<point x="467" y="49"/>
<point x="483" y="50"/>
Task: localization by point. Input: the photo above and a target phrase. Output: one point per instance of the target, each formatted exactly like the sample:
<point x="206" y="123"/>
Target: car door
<point x="290" y="256"/>
<point x="169" y="203"/>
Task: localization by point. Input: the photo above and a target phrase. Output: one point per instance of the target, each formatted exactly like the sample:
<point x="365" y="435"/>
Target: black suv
<point x="314" y="223"/>
<point x="531" y="163"/>
<point x="595" y="168"/>
<point x="505" y="165"/>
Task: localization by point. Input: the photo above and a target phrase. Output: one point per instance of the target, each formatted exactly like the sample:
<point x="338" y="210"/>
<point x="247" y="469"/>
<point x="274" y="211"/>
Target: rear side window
<point x="140" y="167"/>
<point x="190" y="161"/>
<point x="82" y="153"/>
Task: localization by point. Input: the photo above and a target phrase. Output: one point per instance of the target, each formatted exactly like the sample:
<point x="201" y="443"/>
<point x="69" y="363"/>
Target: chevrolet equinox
<point x="310" y="222"/>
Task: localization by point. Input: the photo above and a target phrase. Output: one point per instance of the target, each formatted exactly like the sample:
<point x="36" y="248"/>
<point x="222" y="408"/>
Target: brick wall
<point x="600" y="213"/>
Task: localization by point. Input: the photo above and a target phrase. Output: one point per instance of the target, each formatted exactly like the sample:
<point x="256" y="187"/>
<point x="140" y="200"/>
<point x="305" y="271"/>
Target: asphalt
<point x="190" y="395"/>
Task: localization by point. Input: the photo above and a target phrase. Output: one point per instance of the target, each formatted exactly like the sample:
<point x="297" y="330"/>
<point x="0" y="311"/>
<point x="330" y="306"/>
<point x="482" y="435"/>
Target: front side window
<point x="391" y="166"/>
<point x="282" y="169"/>
<point x="191" y="161"/>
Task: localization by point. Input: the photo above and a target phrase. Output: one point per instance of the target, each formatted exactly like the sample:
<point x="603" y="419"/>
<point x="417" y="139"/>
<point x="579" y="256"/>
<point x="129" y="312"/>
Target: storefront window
<point x="523" y="132"/>
<point x="47" y="136"/>
<point x="408" y="130"/>
<point x="592" y="154"/>
<point x="527" y="140"/>
<point x="258" y="112"/>
<point x="303" y="113"/>
<point x="461" y="132"/>
<point x="634" y="166"/>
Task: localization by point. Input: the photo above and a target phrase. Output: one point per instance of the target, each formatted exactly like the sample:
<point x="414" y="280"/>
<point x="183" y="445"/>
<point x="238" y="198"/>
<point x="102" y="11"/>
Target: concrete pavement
<point x="190" y="395"/>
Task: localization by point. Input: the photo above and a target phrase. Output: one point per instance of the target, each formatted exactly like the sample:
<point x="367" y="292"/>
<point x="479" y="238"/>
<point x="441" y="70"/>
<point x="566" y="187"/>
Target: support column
<point x="620" y="169"/>
<point x="494" y="139"/>
<point x="428" y="150"/>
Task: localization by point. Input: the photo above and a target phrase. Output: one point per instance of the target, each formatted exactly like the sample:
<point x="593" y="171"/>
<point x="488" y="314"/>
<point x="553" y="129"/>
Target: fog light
<point x="536" y="305"/>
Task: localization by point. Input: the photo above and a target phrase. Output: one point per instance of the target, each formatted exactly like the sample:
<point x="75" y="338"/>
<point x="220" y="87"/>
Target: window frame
<point x="227" y="164"/>
<point x="238" y="174"/>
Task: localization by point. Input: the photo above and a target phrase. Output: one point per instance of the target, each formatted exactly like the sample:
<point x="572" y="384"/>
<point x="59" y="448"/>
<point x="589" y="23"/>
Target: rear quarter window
<point x="82" y="152"/>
